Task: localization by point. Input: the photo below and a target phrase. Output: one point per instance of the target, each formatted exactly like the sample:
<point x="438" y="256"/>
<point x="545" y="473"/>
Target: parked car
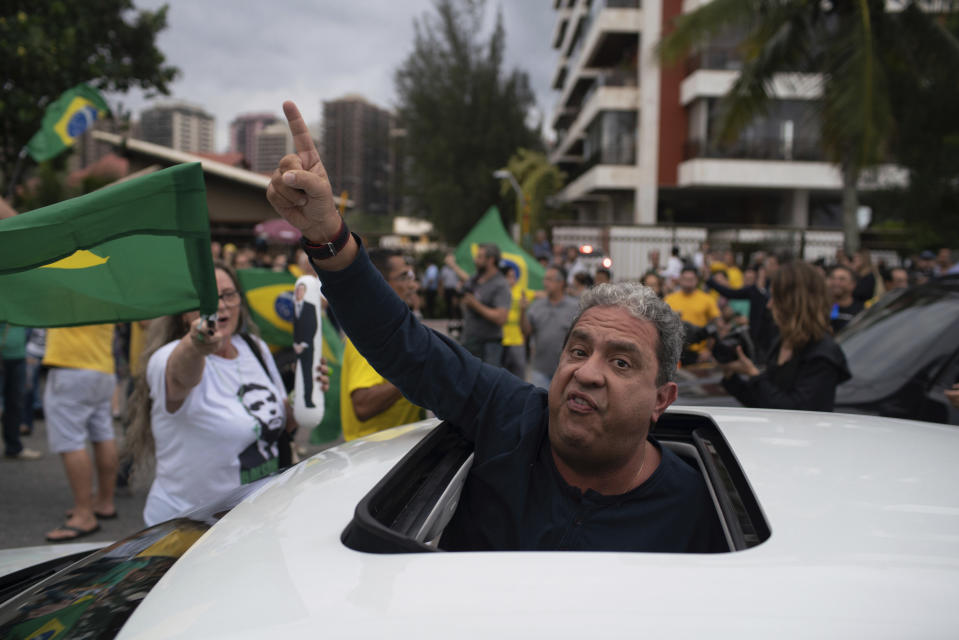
<point x="837" y="526"/>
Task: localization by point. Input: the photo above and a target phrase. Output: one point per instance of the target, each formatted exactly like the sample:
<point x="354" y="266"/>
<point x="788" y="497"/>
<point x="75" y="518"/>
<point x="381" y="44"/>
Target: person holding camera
<point x="805" y="365"/>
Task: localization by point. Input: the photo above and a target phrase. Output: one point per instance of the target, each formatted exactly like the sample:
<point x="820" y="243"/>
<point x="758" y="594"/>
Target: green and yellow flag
<point x="490" y="229"/>
<point x="65" y="120"/>
<point x="131" y="251"/>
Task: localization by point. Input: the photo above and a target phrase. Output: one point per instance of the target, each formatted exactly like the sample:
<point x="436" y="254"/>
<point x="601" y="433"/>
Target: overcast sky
<point x="239" y="56"/>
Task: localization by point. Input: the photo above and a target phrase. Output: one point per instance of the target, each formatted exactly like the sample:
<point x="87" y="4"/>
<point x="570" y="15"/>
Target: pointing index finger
<point x="302" y="140"/>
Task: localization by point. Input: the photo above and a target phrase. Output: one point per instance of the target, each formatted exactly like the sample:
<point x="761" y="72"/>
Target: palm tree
<point x="539" y="180"/>
<point x="849" y="44"/>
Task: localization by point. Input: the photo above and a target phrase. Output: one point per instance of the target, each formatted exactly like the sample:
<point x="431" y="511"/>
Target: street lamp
<point x="505" y="174"/>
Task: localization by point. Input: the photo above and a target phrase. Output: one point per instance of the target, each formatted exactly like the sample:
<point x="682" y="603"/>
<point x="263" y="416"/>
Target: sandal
<point x="100" y="516"/>
<point x="78" y="533"/>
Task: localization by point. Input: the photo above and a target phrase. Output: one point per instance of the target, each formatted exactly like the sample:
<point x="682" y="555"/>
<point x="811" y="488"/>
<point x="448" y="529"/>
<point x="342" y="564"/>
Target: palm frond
<point x="694" y="29"/>
<point x="780" y="42"/>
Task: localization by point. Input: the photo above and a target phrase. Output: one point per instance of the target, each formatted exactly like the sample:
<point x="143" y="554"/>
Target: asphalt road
<point x="34" y="496"/>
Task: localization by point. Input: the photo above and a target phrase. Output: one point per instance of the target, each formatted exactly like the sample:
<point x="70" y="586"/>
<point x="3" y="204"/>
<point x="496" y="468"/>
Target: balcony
<point x="800" y="149"/>
<point x="614" y="94"/>
<point x="600" y="178"/>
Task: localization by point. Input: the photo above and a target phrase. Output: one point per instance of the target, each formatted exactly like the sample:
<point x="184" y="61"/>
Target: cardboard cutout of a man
<point x="304" y="331"/>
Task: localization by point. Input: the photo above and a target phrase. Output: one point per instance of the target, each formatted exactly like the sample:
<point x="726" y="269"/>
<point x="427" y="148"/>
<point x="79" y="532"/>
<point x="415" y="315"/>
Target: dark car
<point x="904" y="353"/>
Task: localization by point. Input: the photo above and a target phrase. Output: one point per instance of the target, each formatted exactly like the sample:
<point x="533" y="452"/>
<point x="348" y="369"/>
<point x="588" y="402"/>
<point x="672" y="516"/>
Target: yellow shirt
<point x="85" y="347"/>
<point x="512" y="333"/>
<point x="735" y="277"/>
<point x="697" y="308"/>
<point x="358" y="374"/>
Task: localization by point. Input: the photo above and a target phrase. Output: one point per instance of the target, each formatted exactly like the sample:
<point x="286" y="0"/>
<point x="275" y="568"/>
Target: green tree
<point x="925" y="103"/>
<point x="463" y="116"/>
<point x="851" y="44"/>
<point x="539" y="180"/>
<point x="48" y="46"/>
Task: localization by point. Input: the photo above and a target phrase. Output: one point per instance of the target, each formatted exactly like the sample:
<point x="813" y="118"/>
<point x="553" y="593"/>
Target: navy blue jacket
<point x="514" y="497"/>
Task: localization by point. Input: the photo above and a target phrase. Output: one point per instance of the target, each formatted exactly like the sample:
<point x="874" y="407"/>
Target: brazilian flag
<point x="131" y="251"/>
<point x="65" y="120"/>
<point x="490" y="229"/>
<point x="269" y="297"/>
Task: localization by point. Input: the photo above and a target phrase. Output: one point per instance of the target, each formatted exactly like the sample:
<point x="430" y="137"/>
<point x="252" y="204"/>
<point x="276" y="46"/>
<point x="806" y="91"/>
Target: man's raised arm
<point x="300" y="192"/>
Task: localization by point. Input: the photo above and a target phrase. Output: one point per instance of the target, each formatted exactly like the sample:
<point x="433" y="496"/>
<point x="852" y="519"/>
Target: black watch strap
<point x="327" y="249"/>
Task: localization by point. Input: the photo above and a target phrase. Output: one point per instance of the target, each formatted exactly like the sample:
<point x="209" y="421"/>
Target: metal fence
<point x="630" y="247"/>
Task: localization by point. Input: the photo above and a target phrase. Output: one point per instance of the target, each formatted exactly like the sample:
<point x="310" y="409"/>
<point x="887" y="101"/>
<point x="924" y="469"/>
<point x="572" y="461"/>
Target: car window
<point x="897" y="339"/>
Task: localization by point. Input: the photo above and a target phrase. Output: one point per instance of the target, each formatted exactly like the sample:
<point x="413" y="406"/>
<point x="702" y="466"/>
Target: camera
<point x="724" y="347"/>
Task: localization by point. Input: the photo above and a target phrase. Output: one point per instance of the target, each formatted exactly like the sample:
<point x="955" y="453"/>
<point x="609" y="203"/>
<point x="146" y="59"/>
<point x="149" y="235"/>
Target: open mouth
<point x="580" y="403"/>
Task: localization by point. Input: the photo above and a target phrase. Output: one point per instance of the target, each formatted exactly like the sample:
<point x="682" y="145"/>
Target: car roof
<point x="863" y="513"/>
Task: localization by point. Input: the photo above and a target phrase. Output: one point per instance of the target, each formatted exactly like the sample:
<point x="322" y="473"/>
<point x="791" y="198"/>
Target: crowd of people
<point x="573" y="376"/>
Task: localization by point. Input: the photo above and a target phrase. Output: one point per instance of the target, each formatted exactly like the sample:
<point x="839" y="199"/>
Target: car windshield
<point x="896" y="338"/>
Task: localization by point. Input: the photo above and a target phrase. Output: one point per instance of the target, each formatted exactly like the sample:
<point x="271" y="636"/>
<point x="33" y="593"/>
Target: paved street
<point x="36" y="494"/>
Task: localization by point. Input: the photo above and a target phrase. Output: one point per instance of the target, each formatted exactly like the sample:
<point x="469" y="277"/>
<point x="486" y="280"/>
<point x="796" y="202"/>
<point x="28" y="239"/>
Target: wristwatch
<point x="327" y="249"/>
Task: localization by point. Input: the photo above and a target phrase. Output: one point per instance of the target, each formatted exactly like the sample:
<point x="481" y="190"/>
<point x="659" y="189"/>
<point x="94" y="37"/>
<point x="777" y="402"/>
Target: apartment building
<point x="243" y="134"/>
<point x="180" y="126"/>
<point x="356" y="151"/>
<point x="271" y="143"/>
<point x="635" y="139"/>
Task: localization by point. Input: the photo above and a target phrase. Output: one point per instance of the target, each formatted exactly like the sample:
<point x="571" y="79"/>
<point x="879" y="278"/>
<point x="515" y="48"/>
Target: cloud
<point x="239" y="56"/>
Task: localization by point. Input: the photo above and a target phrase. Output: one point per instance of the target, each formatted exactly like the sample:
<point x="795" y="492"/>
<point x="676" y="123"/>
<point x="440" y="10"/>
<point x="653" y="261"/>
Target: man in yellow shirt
<point x="514" y="347"/>
<point x="368" y="402"/>
<point x="693" y="305"/>
<point x="76" y="405"/>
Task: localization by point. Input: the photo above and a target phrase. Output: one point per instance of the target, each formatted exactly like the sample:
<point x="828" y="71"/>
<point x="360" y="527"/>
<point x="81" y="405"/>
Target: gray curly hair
<point x="642" y="303"/>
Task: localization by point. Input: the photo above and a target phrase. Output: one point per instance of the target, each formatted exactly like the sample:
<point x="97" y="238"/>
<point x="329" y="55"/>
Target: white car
<point x="839" y="526"/>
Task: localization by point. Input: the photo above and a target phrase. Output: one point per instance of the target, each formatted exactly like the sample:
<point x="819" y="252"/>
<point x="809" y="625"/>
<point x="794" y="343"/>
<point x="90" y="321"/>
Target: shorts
<point x="76" y="406"/>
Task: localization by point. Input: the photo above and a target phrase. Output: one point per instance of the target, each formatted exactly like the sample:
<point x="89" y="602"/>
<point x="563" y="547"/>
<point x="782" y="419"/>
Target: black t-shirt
<point x="517" y="500"/>
<point x="839" y="316"/>
<point x="514" y="498"/>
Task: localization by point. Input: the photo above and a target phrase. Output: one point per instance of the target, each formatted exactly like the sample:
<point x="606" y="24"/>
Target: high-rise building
<point x="399" y="161"/>
<point x="636" y="138"/>
<point x="272" y="142"/>
<point x="89" y="151"/>
<point x="356" y="151"/>
<point x="180" y="126"/>
<point x="243" y="132"/>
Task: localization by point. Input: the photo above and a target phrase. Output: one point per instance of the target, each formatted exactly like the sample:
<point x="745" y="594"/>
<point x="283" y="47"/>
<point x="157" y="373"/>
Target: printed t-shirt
<point x="84" y="347"/>
<point x="358" y="374"/>
<point x="223" y="435"/>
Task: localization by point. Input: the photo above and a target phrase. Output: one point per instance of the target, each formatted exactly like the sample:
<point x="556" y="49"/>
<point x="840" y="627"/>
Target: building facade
<point x="272" y="143"/>
<point x="243" y="134"/>
<point x="180" y="126"/>
<point x="356" y="152"/>
<point x="636" y="139"/>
